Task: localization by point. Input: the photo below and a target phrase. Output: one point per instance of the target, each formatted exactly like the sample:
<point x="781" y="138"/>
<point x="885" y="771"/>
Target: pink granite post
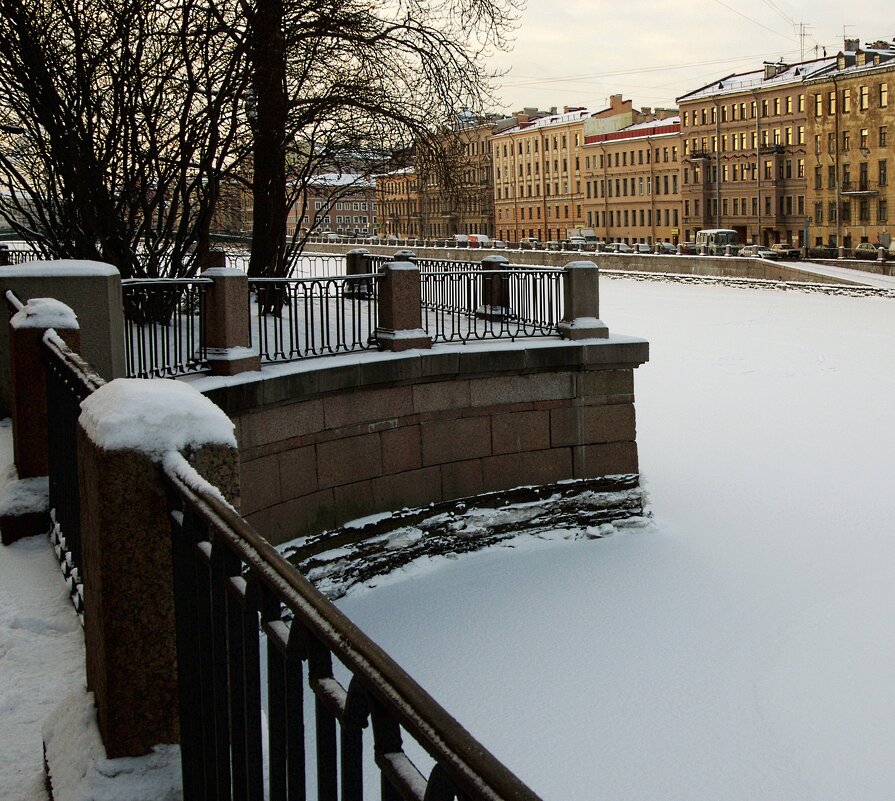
<point x="400" y="315"/>
<point x="28" y="378"/>
<point x="581" y="298"/>
<point x="227" y="319"/>
<point x="126" y="428"/>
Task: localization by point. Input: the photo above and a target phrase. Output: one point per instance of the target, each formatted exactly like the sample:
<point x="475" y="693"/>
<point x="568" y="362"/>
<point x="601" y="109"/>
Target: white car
<point x="618" y="247"/>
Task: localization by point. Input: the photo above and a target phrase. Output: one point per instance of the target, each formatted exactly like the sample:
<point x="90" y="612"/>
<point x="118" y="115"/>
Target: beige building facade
<point x="851" y="122"/>
<point x="632" y="183"/>
<point x="744" y="142"/>
<point x="541" y="177"/>
<point x="398" y="201"/>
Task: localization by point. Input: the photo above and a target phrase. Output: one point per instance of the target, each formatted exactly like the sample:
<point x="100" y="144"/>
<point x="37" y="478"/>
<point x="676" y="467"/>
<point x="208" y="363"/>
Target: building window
<point x="864" y="211"/>
<point x="831" y="102"/>
<point x="883" y="130"/>
<point x="818" y="105"/>
<point x="883" y="95"/>
<point x="818" y="213"/>
<point x="818" y="177"/>
<point x="845" y="140"/>
<point x="800" y="168"/>
<point x="882" y="212"/>
<point x="883" y="177"/>
<point x="846" y="101"/>
<point x="864" y="98"/>
<point x="865" y="138"/>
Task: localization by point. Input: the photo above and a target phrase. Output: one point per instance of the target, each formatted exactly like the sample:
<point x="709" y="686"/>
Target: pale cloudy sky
<point x="578" y="52"/>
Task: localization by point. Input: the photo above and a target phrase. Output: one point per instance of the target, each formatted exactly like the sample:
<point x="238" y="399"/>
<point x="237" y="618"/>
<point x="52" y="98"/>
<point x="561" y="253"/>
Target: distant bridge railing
<point x="227" y="581"/>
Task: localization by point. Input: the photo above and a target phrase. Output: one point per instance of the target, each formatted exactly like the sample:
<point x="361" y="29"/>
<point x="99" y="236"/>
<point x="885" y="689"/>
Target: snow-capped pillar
<point x="581" y="300"/>
<point x="399" y="308"/>
<point x="126" y="428"/>
<point x="227" y="334"/>
<point x="28" y="378"/>
<point x="495" y="289"/>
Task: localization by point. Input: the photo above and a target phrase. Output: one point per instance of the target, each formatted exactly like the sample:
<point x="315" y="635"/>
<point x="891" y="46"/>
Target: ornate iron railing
<point x="70" y="380"/>
<point x="298" y="318"/>
<point x="307" y="265"/>
<point x="164" y="326"/>
<point x="227" y="580"/>
<point x="460" y="305"/>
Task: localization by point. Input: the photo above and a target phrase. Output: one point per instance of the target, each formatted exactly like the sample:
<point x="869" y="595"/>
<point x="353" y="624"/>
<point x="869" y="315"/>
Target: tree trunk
<point x="269" y="119"/>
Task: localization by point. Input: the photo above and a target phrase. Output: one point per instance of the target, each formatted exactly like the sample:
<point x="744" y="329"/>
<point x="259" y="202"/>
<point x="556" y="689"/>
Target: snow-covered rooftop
<point x="574" y="115"/>
<point x="744" y="81"/>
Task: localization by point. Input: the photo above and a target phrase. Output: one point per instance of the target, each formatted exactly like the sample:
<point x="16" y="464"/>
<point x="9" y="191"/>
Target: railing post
<point x="881" y="255"/>
<point x="841" y="252"/>
<point x="399" y="308"/>
<point x="23" y="513"/>
<point x="125" y="428"/>
<point x="495" y="289"/>
<point x="227" y="322"/>
<point x="28" y="378"/>
<point x="581" y="299"/>
<point x="356" y="264"/>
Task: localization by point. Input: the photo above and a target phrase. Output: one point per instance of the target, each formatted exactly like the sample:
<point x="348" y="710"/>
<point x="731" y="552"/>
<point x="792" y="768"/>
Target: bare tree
<point x="120" y="120"/>
<point x="353" y="81"/>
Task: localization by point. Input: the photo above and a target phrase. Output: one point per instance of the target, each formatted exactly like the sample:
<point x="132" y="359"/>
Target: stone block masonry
<point x="430" y="426"/>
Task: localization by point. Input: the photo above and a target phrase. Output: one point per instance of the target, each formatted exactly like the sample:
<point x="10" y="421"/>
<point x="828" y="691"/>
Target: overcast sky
<point x="578" y="52"/>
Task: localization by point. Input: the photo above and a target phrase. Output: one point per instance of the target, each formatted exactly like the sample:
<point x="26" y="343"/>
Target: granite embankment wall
<point x="723" y="266"/>
<point x="344" y="439"/>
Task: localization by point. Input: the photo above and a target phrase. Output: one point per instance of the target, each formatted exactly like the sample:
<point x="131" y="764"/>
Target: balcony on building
<point x="858" y="188"/>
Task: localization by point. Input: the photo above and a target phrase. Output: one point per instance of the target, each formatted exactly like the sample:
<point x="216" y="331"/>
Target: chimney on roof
<point x="553" y="109"/>
<point x="522" y="117"/>
<point x="646" y="111"/>
<point x="772" y="70"/>
<point x="852" y="44"/>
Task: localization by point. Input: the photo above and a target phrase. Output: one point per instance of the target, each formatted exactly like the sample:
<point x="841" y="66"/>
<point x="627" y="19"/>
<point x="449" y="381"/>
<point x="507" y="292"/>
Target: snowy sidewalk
<point x="41" y="651"/>
<point x="847" y="274"/>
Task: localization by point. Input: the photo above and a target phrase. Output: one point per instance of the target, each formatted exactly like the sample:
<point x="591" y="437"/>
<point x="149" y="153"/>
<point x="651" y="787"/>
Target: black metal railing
<point x="307" y="265"/>
<point x="69" y="381"/>
<point x="227" y="581"/>
<point x="164" y="326"/>
<point x="461" y="305"/>
<point x="299" y="318"/>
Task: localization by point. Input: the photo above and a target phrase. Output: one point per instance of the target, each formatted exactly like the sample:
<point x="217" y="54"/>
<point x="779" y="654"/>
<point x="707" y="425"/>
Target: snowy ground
<point x="41" y="651"/>
<point x="741" y="649"/>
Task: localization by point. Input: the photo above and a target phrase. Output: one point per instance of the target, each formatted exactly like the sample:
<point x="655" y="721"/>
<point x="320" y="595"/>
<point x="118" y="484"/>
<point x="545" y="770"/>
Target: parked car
<point x="666" y="248"/>
<point x="554" y="244"/>
<point x="688" y="249"/>
<point x="529" y="243"/>
<point x="498" y="243"/>
<point x="759" y="252"/>
<point x="619" y="247"/>
<point x="641" y="247"/>
<point x="576" y="243"/>
<point x="866" y="250"/>
<point x="332" y="236"/>
<point x="479" y="241"/>
<point x="786" y="251"/>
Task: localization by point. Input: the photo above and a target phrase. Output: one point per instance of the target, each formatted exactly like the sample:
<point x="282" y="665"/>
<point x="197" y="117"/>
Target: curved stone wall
<point x="340" y="438"/>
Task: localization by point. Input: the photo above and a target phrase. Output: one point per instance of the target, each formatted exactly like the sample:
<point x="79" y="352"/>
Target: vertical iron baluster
<point x="245" y="686"/>
<point x="186" y="531"/>
<point x="296" y="654"/>
<point x="320" y="667"/>
<point x="277" y="637"/>
<point x="352" y="742"/>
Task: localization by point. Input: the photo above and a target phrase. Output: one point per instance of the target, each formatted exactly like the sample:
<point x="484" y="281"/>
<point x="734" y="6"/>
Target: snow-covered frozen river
<point x="739" y="648"/>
